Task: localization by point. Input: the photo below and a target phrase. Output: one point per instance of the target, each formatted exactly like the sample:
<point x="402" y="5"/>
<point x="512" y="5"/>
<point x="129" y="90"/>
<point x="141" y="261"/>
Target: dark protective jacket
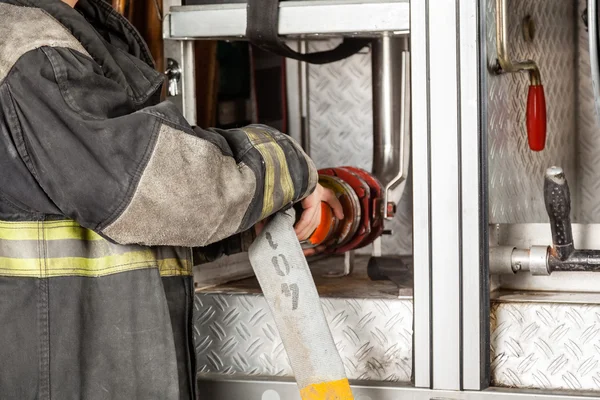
<point x="103" y="191"/>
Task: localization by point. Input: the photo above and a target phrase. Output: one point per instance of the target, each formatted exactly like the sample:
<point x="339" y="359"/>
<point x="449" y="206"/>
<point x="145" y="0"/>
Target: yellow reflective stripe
<point x="284" y="175"/>
<point x="46" y="230"/>
<point x="91" y="268"/>
<point x="275" y="164"/>
<point x="269" y="172"/>
<point x="83" y="261"/>
<point x="334" y="390"/>
<point x="174" y="267"/>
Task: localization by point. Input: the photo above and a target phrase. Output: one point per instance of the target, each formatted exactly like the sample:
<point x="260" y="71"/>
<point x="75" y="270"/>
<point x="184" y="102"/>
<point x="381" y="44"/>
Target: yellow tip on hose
<point x="334" y="390"/>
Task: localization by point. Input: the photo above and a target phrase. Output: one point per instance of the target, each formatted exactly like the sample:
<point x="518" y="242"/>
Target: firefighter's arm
<point x="140" y="174"/>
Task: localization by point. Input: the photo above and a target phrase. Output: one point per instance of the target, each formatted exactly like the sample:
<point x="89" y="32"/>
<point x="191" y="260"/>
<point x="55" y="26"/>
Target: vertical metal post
<point x="474" y="209"/>
<point x="181" y="51"/>
<point x="421" y="194"/>
<point x="450" y="203"/>
<point x="293" y="82"/>
<point x="304" y="101"/>
<point x="188" y="81"/>
<point x="445" y="193"/>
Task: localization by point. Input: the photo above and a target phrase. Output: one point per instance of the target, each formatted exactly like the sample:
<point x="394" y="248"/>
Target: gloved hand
<point x="311" y="216"/>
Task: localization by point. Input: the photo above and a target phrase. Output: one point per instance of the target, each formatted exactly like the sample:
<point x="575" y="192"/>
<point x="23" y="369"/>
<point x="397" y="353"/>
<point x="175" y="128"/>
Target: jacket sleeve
<point x="140" y="174"/>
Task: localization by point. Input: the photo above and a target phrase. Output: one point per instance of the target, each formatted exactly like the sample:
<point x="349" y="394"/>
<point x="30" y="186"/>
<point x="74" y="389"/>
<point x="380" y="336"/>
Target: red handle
<point x="536" y="118"/>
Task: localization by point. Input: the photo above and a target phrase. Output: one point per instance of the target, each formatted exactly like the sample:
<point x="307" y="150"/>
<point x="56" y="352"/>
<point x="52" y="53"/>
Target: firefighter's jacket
<point x="103" y="191"/>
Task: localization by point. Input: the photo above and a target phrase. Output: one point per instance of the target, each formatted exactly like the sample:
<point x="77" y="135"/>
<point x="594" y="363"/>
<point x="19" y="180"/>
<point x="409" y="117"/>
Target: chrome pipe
<point x="391" y="113"/>
<point x="304" y="101"/>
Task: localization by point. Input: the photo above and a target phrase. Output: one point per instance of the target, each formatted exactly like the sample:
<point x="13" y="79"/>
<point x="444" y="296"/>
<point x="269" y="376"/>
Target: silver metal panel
<point x="236" y="336"/>
<point x="516" y="173"/>
<point x="421" y="196"/>
<point x="295" y="18"/>
<point x="546" y="345"/>
<point x="341" y="130"/>
<point x="274" y="390"/>
<point x="588" y="130"/>
<point x="445" y="194"/>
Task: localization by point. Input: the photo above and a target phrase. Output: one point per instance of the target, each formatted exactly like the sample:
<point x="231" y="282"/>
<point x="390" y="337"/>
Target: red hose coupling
<point x="536" y="118"/>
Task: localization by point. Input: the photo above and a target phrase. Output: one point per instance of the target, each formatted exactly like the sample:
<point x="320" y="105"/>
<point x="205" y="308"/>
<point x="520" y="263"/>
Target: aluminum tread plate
<point x="539" y="341"/>
<point x="588" y="129"/>
<point x="235" y="336"/>
<point x="546" y="345"/>
<point x="516" y="173"/>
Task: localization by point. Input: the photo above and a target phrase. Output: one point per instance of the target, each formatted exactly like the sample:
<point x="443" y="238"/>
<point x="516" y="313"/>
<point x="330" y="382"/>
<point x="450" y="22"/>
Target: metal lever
<point x="536" y="100"/>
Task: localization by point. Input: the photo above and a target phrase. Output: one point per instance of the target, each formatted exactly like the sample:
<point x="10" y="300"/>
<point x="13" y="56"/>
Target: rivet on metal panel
<point x="528" y="29"/>
<point x="270" y="395"/>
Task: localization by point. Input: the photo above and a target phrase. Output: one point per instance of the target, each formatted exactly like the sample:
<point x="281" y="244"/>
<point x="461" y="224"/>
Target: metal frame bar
<point x="450" y="204"/>
<point x="260" y="390"/>
<point x="421" y="194"/>
<point x="475" y="243"/>
<point x="354" y="17"/>
<point x="445" y="178"/>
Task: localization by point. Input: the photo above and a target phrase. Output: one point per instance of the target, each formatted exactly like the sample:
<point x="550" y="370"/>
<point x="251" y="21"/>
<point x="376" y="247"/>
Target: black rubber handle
<point x="558" y="205"/>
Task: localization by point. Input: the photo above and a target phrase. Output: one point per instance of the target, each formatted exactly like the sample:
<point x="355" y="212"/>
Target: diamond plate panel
<point x="235" y="336"/>
<point x="515" y="171"/>
<point x="588" y="129"/>
<point x="546" y="346"/>
<point x="341" y="129"/>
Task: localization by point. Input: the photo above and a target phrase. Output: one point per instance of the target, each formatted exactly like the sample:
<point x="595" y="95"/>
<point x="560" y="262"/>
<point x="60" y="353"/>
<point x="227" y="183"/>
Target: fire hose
<point x="289" y="289"/>
<point x="282" y="271"/>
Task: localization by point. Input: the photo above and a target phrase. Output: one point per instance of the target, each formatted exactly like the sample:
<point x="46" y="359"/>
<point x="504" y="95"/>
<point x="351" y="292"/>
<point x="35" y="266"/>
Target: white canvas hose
<point x="290" y="291"/>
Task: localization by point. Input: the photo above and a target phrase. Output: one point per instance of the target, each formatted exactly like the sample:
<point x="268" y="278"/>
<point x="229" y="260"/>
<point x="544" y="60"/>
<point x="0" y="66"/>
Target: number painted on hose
<point x="282" y="268"/>
<point x="275" y="261"/>
<point x="291" y="290"/>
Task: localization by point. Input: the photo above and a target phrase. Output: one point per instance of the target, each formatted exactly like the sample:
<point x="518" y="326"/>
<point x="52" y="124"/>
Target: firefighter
<point x="103" y="192"/>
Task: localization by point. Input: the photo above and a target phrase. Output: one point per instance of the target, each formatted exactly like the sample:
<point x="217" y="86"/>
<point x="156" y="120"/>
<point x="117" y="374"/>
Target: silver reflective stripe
<point x="62" y="248"/>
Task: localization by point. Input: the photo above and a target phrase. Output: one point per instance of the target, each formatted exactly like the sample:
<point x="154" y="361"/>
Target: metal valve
<point x="173" y="74"/>
<point x="562" y="255"/>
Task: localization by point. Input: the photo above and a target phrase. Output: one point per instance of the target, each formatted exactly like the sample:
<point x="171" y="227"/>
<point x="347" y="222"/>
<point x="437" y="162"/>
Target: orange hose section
<point x="334" y="390"/>
<point x="320" y="234"/>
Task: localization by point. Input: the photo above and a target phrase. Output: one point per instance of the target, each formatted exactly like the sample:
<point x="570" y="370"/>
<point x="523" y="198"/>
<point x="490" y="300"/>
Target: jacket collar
<point x="110" y="39"/>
